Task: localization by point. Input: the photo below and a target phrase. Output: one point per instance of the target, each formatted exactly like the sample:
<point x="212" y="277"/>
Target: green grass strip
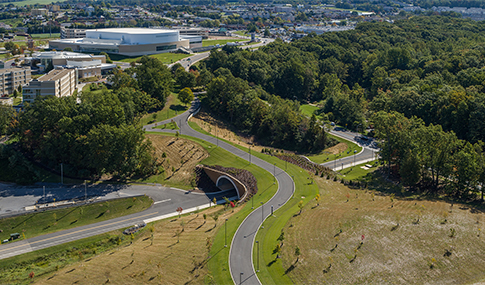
<point x="352" y="148"/>
<point x="40" y="223"/>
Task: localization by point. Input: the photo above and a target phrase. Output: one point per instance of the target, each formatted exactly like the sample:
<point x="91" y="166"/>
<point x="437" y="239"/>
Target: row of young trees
<point x="429" y="157"/>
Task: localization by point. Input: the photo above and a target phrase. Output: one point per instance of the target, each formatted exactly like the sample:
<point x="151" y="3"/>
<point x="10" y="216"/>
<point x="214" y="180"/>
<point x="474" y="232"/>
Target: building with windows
<point x="12" y="78"/>
<point x="129" y="41"/>
<point x="67" y="33"/>
<point x="58" y="82"/>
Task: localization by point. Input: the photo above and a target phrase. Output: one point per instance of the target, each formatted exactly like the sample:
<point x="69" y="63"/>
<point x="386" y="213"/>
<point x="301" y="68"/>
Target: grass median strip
<point x="348" y="149"/>
<point x="39" y="223"/>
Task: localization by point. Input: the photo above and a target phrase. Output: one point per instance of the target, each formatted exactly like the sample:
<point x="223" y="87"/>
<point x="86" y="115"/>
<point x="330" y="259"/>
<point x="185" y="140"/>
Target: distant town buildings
<point x="12" y="78"/>
<point x="58" y="82"/>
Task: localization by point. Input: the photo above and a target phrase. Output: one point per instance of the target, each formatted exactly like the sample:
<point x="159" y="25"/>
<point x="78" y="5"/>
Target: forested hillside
<point x="420" y="82"/>
<point x="430" y="67"/>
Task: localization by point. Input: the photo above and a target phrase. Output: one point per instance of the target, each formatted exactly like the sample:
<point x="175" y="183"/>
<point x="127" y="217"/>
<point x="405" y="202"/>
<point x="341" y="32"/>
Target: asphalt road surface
<point x="240" y="257"/>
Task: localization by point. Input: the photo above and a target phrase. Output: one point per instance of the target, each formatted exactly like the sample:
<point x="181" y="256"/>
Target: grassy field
<point x="330" y="154"/>
<point x="172" y="108"/>
<point x="43" y="36"/>
<point x="359" y="173"/>
<point x="169" y="126"/>
<point x="243" y="33"/>
<point x="308" y="110"/>
<point x="206" y="43"/>
<point x="39" y="223"/>
<point x="365" y="237"/>
<point x="165" y="58"/>
<point x="31" y="2"/>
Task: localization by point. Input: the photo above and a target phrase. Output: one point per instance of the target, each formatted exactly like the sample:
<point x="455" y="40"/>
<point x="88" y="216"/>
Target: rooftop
<point x="133" y="31"/>
<point x="54" y="75"/>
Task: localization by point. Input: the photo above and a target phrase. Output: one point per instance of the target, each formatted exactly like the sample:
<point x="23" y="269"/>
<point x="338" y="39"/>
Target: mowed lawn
<point x="206" y="43"/>
<point x="166" y="58"/>
<point x="39" y="223"/>
<point x="364" y="237"/>
<point x="329" y="154"/>
<point x="172" y="108"/>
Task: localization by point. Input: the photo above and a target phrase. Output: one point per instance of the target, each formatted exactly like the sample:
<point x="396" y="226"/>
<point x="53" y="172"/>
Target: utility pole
<point x="62" y="178"/>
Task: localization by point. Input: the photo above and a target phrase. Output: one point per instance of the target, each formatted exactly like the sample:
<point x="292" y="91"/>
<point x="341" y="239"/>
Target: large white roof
<point x="134" y="31"/>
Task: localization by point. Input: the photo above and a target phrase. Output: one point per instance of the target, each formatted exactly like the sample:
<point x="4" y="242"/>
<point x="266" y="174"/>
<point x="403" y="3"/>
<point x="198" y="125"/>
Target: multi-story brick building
<point x="11" y="78"/>
<point x="58" y="82"/>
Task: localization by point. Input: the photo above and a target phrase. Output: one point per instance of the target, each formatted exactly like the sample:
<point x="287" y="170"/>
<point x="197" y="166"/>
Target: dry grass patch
<point x="177" y="254"/>
<point x="376" y="239"/>
<point x="336" y="149"/>
<point x="181" y="157"/>
<point x="210" y="124"/>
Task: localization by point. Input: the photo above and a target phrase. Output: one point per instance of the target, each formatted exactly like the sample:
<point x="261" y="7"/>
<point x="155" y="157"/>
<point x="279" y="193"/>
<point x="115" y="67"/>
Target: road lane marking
<point x="89" y="229"/>
<point x="166" y="200"/>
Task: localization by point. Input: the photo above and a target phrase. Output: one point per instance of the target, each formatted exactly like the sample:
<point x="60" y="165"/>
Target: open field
<point x="170" y="126"/>
<point x="165" y="58"/>
<point x="31" y="2"/>
<point x="172" y="108"/>
<point x="308" y="110"/>
<point x="175" y="255"/>
<point x="358" y="172"/>
<point x="362" y="236"/>
<point x="206" y="43"/>
<point x="45" y="35"/>
<point x="39" y="223"/>
<point x="336" y="152"/>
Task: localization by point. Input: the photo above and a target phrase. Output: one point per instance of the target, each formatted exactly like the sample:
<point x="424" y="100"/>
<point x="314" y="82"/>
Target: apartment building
<point x="67" y="33"/>
<point x="11" y="78"/>
<point x="58" y="82"/>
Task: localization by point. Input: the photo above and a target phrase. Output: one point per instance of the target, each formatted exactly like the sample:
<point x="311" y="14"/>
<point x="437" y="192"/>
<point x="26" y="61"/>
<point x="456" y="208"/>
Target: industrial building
<point x="58" y="82"/>
<point x="11" y="78"/>
<point x="129" y="41"/>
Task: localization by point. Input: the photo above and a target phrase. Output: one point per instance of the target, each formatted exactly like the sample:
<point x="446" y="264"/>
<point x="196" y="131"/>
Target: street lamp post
<point x="225" y="234"/>
<point x="249" y="154"/>
<point x="262" y="215"/>
<point x="354" y="156"/>
<point x="274" y="173"/>
<point x="44" y="192"/>
<point x="85" y="191"/>
<point x="62" y="178"/>
<point x="240" y="277"/>
<point x="257" y="242"/>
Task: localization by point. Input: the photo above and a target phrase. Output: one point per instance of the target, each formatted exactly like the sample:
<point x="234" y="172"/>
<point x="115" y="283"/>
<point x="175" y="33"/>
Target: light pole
<point x="85" y="191"/>
<point x="262" y="214"/>
<point x="354" y="156"/>
<point x="257" y="242"/>
<point x="217" y="138"/>
<point x="44" y="192"/>
<point x="286" y="165"/>
<point x="240" y="277"/>
<point x="62" y="178"/>
<point x="249" y="154"/>
<point x="274" y="173"/>
<point x="252" y="202"/>
<point x="225" y="234"/>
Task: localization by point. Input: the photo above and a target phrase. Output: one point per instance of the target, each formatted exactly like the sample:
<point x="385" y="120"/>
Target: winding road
<point x="240" y="256"/>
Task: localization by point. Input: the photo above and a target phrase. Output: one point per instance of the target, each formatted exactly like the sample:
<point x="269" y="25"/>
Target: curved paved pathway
<point x="240" y="256"/>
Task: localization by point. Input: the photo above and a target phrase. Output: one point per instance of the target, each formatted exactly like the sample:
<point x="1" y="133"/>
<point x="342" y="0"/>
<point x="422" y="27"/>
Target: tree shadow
<point x="271" y="262"/>
<point x="100" y="215"/>
<point x="73" y="209"/>
<point x="289" y="269"/>
<point x="178" y="108"/>
<point x="13" y="227"/>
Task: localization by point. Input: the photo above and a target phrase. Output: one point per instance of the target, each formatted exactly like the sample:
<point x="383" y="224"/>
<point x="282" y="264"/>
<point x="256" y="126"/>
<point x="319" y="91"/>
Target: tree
<point x="108" y="59"/>
<point x="297" y="253"/>
<point x="317" y="198"/>
<point x="186" y="96"/>
<point x="154" y="78"/>
<point x="179" y="210"/>
<point x="267" y="34"/>
<point x="184" y="78"/>
<point x="68" y="49"/>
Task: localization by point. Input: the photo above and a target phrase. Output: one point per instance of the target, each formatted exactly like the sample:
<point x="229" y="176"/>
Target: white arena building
<point x="129" y="41"/>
